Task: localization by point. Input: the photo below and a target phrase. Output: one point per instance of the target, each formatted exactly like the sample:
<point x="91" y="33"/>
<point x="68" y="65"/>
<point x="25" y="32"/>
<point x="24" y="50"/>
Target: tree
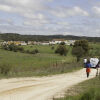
<point x="80" y="48"/>
<point x="52" y="47"/>
<point x="62" y="43"/>
<point x="78" y="52"/>
<point x="84" y="44"/>
<point x="13" y="47"/>
<point x="5" y="47"/>
<point x="62" y="50"/>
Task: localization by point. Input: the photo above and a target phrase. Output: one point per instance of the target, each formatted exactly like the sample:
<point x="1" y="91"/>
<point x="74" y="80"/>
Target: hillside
<point x="19" y="37"/>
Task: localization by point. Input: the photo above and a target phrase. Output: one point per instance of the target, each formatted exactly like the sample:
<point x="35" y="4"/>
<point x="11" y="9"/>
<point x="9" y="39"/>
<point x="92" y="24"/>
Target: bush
<point x="13" y="47"/>
<point x="62" y="43"/>
<point x="83" y="44"/>
<point x="62" y="50"/>
<point x="5" y="69"/>
<point x="78" y="52"/>
<point x="5" y="47"/>
<point x="34" y="51"/>
<point x="80" y="49"/>
<point x="27" y="51"/>
<point x="52" y="48"/>
<point x="20" y="49"/>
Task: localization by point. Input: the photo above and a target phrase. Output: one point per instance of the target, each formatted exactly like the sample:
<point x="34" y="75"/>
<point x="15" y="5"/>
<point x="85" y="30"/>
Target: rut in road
<point x="40" y="88"/>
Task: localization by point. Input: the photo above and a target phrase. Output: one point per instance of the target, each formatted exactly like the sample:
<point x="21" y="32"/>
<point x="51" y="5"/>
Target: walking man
<point x="88" y="66"/>
<point x="98" y="68"/>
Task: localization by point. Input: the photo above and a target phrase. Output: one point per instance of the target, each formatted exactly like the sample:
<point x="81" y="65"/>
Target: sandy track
<point x="43" y="88"/>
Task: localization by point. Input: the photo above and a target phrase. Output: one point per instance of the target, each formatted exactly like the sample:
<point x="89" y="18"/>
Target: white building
<point x="58" y="41"/>
<point x="69" y="42"/>
<point x="23" y="43"/>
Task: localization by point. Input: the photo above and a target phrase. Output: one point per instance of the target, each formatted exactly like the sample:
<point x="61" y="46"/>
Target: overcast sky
<point x="48" y="17"/>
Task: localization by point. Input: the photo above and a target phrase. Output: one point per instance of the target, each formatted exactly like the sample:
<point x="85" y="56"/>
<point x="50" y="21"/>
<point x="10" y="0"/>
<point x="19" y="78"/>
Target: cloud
<point x="24" y="7"/>
<point x="33" y="8"/>
<point x="6" y="22"/>
<point x="62" y="23"/>
<point x="35" y="22"/>
<point x="49" y="17"/>
<point x="96" y="11"/>
<point x="35" y="16"/>
<point x="5" y="8"/>
<point x="64" y="12"/>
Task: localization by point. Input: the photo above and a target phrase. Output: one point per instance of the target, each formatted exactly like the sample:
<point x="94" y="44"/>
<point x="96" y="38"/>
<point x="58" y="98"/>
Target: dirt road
<point x="40" y="88"/>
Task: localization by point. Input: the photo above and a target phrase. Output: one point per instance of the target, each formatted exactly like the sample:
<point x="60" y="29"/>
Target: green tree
<point x="62" y="50"/>
<point x="84" y="44"/>
<point x="78" y="52"/>
<point x="62" y="43"/>
<point x="80" y="48"/>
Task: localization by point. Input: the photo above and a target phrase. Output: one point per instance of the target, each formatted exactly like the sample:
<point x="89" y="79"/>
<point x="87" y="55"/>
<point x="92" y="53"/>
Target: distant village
<point x="53" y="42"/>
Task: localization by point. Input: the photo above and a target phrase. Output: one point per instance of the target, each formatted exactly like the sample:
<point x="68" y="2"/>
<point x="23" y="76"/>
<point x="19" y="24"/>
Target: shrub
<point x="62" y="50"/>
<point x="32" y="52"/>
<point x="27" y="51"/>
<point x="5" y="47"/>
<point x="52" y="48"/>
<point x="80" y="48"/>
<point x="5" y="69"/>
<point x="62" y="43"/>
<point x="36" y="51"/>
<point x="84" y="44"/>
<point x="90" y="95"/>
<point x="20" y="49"/>
<point x="13" y="47"/>
<point x="78" y="52"/>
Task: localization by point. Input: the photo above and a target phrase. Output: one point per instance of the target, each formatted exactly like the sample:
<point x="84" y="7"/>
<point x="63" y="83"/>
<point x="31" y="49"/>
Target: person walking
<point x="98" y="68"/>
<point x="85" y="61"/>
<point x="88" y="66"/>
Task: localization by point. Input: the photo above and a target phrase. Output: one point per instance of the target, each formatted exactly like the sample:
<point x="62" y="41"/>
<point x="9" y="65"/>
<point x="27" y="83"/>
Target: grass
<point x="88" y="90"/>
<point x="46" y="62"/>
<point x="42" y="48"/>
<point x="95" y="47"/>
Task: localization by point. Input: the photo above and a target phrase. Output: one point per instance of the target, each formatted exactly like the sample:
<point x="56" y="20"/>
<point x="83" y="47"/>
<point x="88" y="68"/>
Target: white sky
<point x="49" y="17"/>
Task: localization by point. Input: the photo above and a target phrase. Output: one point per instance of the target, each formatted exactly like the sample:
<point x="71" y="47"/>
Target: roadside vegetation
<point x="88" y="90"/>
<point x="16" y="48"/>
<point x="80" y="49"/>
<point x="24" y="63"/>
<point x="46" y="62"/>
<point x="94" y="49"/>
<point x="61" y="49"/>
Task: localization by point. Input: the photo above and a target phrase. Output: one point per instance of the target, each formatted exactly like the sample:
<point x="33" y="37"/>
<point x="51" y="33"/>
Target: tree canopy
<point x="80" y="48"/>
<point x="61" y="49"/>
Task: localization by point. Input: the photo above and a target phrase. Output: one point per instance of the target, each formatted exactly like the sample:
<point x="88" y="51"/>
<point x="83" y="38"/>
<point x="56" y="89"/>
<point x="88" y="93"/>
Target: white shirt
<point x="85" y="60"/>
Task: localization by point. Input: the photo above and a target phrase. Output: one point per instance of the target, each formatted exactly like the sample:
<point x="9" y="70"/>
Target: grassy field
<point x="88" y="90"/>
<point x="95" y="48"/>
<point x="42" y="48"/>
<point x="46" y="62"/>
